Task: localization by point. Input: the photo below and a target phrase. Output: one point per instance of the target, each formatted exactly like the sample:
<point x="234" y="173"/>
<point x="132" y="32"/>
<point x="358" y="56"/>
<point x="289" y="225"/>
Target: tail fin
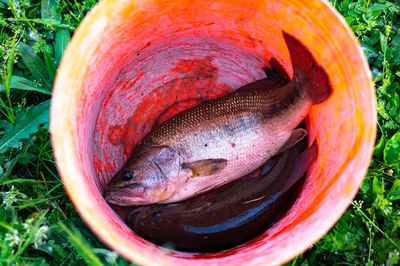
<point x="306" y="70"/>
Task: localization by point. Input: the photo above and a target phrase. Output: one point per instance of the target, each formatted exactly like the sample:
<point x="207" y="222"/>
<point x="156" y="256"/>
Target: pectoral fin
<point x="297" y="135"/>
<point x="205" y="167"/>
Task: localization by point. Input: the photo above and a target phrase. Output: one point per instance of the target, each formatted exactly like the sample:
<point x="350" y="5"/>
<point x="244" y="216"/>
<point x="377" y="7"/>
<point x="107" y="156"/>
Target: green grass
<point x="39" y="225"/>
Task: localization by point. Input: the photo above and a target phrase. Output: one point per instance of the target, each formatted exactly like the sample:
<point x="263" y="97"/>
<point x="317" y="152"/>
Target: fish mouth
<point x="125" y="196"/>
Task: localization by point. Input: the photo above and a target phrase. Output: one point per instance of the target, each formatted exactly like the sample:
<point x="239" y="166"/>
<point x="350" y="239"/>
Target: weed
<point x="38" y="223"/>
<point x="368" y="232"/>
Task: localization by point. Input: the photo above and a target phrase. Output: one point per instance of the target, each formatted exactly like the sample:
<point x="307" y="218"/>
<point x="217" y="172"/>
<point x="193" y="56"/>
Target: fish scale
<point x="228" y="217"/>
<point x="223" y="139"/>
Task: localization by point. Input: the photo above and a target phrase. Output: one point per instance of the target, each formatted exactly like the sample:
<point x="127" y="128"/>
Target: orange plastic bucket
<point x="130" y="61"/>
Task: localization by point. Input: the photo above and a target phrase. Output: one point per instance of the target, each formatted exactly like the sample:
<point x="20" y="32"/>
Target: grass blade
<point x="21" y="83"/>
<point x="31" y="235"/>
<point x="24" y="181"/>
<point x="62" y="39"/>
<point x="51" y="68"/>
<point x="10" y="64"/>
<point x="374" y="224"/>
<point x="25" y="125"/>
<point x="7" y="80"/>
<point x="47" y="22"/>
<point x="4" y="1"/>
<point x="81" y="246"/>
<point x="35" y="65"/>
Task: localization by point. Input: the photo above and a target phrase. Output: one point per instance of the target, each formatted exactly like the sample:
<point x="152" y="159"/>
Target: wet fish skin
<point x="229" y="217"/>
<point x="152" y="160"/>
<point x="221" y="140"/>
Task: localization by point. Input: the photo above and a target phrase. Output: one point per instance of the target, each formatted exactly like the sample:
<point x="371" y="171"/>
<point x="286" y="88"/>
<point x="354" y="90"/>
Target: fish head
<point x="149" y="176"/>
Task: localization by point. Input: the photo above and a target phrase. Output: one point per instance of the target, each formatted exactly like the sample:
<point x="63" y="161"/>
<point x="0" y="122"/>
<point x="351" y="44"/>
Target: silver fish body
<point x="221" y="140"/>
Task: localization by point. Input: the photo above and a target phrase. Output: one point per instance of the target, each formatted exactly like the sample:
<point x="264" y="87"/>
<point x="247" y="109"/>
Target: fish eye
<point x="126" y="176"/>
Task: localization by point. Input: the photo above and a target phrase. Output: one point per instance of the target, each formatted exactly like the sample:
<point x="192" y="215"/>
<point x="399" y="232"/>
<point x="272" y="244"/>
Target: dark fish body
<point x="226" y="218"/>
<point x="221" y="140"/>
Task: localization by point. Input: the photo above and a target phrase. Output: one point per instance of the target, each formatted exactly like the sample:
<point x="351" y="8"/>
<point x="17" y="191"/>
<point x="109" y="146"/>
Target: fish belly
<point x="246" y="142"/>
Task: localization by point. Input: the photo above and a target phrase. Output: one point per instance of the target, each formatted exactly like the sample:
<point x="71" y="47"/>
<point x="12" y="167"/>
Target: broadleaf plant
<point x="26" y="123"/>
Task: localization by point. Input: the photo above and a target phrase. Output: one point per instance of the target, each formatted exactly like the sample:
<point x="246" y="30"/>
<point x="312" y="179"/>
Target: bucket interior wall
<point x="144" y="61"/>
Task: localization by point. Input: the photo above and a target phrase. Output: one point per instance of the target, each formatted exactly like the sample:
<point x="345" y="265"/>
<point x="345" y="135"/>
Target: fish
<point x="229" y="217"/>
<point x="221" y="140"/>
